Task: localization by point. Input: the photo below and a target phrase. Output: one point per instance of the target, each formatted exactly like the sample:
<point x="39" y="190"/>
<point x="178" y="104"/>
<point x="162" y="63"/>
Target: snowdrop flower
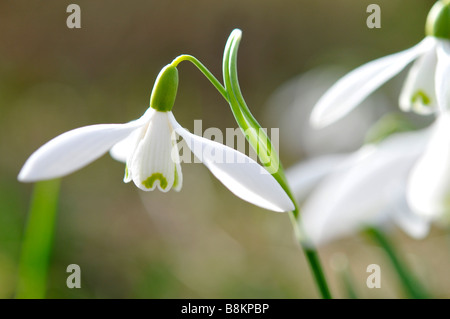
<point x="426" y="90"/>
<point x="346" y="193"/>
<point x="426" y="82"/>
<point x="149" y="149"/>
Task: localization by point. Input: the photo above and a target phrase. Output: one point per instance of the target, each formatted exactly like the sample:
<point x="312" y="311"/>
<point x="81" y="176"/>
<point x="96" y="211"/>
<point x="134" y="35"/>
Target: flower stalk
<point x="410" y="284"/>
<point x="267" y="154"/>
<point x="260" y="142"/>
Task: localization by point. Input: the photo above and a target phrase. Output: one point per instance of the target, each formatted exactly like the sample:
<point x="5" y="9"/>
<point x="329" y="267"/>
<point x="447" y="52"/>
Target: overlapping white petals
<point x="240" y="174"/>
<point x="443" y="75"/>
<point x="364" y="190"/>
<point x="150" y="164"/>
<point x="123" y="148"/>
<point x="73" y="150"/>
<point x="419" y="93"/>
<point x="353" y="88"/>
<point x="429" y="184"/>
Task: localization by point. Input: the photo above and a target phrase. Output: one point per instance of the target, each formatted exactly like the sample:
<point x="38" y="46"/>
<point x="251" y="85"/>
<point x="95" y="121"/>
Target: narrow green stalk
<point x="37" y="241"/>
<point x="204" y="70"/>
<point x="314" y="262"/>
<point x="267" y="154"/>
<point x="311" y="254"/>
<point x="260" y="142"/>
<point x="410" y="284"/>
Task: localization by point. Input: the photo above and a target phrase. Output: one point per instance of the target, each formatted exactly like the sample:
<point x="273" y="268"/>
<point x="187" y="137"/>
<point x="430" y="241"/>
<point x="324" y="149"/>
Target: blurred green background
<point x="202" y="242"/>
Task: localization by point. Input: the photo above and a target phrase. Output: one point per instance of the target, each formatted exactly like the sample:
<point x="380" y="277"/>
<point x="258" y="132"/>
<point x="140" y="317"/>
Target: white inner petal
<point x="151" y="163"/>
<point x="418" y="93"/>
<point x="443" y="75"/>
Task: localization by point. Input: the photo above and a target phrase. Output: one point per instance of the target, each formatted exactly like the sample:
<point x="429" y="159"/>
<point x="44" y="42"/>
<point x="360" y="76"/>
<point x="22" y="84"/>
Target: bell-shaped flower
<point x="343" y="194"/>
<point x="424" y="83"/>
<point x="149" y="148"/>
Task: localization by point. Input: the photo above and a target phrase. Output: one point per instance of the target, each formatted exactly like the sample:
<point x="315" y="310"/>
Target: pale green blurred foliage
<point x="202" y="242"/>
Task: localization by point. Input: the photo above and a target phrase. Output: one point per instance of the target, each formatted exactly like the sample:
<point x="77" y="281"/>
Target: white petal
<point x="72" y="150"/>
<point x="304" y="176"/>
<point x="121" y="150"/>
<point x="415" y="226"/>
<point x="151" y="163"/>
<point x="353" y="88"/>
<point x="429" y="184"/>
<point x="361" y="194"/>
<point x="418" y="93"/>
<point x="443" y="75"/>
<point x="240" y="174"/>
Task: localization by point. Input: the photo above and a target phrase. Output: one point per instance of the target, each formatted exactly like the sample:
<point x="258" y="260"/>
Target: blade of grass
<point x="38" y="241"/>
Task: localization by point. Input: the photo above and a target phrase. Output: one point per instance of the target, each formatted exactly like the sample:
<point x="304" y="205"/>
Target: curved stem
<point x="246" y="120"/>
<point x="258" y="139"/>
<point x="204" y="70"/>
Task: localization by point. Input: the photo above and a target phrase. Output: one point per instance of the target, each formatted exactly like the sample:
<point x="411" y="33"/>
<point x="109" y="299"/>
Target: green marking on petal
<point x="175" y="181"/>
<point x="148" y="183"/>
<point x="126" y="172"/>
<point x="421" y="95"/>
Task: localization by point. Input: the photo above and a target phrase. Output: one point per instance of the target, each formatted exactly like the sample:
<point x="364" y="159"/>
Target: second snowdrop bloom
<point x="343" y="194"/>
<point x="424" y="83"/>
<point x="148" y="147"/>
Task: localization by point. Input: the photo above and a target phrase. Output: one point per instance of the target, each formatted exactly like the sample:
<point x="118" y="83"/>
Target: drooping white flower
<point x="343" y="194"/>
<point x="426" y="90"/>
<point x="424" y="85"/>
<point x="149" y="149"/>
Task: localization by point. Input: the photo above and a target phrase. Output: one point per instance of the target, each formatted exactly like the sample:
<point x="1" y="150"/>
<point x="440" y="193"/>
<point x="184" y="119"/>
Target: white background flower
<point x="343" y="194"/>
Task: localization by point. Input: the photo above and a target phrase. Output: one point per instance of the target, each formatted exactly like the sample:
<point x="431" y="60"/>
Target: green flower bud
<point x="438" y="20"/>
<point x="165" y="89"/>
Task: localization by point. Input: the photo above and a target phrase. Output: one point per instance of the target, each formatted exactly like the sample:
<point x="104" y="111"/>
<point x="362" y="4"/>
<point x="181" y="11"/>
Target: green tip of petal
<point x="148" y="183"/>
<point x="176" y="179"/>
<point x="165" y="89"/>
<point x="438" y="20"/>
<point x="422" y="97"/>
<point x="127" y="174"/>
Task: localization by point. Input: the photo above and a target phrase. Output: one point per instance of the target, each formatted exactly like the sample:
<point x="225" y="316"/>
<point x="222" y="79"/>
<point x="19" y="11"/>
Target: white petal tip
<point x="317" y="123"/>
<point x="28" y="175"/>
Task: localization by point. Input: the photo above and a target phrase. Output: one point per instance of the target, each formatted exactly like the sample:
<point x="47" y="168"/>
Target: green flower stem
<point x="204" y="70"/>
<point x="260" y="142"/>
<point x="311" y="254"/>
<point x="37" y="241"/>
<point x="314" y="262"/>
<point x="410" y="284"/>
